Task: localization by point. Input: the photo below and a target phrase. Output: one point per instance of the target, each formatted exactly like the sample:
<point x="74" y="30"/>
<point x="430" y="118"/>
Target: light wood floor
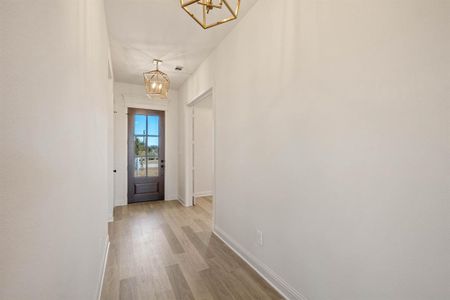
<point x="162" y="250"/>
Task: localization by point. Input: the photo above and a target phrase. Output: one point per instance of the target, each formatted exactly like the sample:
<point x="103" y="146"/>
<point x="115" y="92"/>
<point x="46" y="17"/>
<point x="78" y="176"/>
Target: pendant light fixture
<point x="210" y="13"/>
<point x="156" y="82"/>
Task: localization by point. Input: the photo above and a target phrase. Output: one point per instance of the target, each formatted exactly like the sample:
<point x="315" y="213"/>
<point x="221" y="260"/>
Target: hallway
<point x="320" y="127"/>
<point x="162" y="250"/>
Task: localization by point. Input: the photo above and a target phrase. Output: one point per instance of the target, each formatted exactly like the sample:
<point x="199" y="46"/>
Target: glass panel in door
<point x="153" y="145"/>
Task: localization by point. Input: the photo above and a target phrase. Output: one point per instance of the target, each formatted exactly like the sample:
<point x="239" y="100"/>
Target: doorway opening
<point x="203" y="150"/>
<point x="146" y="155"/>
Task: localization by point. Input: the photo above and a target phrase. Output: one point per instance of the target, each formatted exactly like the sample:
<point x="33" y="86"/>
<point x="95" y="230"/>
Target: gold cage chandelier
<point x="200" y="10"/>
<point x="156" y="82"/>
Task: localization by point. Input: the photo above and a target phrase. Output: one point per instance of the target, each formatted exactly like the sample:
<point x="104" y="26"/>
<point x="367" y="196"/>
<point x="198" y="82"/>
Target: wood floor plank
<point x="179" y="284"/>
<point x="197" y="242"/>
<point x="201" y="211"/>
<point x="172" y="239"/>
<point x="255" y="284"/>
<point x="128" y="289"/>
<point x="214" y="283"/>
<point x="202" y="225"/>
<point x="156" y="274"/>
<point x="234" y="286"/>
<point x="195" y="281"/>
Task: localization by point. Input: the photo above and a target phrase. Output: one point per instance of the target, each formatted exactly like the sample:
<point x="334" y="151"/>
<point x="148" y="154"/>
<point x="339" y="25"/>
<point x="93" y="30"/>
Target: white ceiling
<point x="141" y="30"/>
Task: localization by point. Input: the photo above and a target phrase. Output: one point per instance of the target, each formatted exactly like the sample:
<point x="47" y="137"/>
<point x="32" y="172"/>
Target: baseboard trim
<point x="171" y="198"/>
<point x="105" y="260"/>
<point x="203" y="194"/>
<point x="111" y="216"/>
<point x="262" y="269"/>
<point x="181" y="200"/>
<point x="121" y="203"/>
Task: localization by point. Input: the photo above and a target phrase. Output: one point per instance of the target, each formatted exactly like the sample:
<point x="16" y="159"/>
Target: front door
<point x="145" y="155"/>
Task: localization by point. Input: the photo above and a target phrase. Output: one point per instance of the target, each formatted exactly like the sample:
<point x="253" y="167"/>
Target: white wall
<point x="131" y="95"/>
<point x="203" y="130"/>
<point x="332" y="137"/>
<point x="55" y="164"/>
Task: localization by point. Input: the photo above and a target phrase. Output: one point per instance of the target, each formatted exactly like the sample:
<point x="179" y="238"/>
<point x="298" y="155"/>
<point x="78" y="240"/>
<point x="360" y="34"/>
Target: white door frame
<point x="190" y="151"/>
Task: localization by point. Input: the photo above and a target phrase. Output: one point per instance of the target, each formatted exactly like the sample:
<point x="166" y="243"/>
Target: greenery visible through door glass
<point x="153" y="147"/>
<point x="139" y="146"/>
<point x="153" y="155"/>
